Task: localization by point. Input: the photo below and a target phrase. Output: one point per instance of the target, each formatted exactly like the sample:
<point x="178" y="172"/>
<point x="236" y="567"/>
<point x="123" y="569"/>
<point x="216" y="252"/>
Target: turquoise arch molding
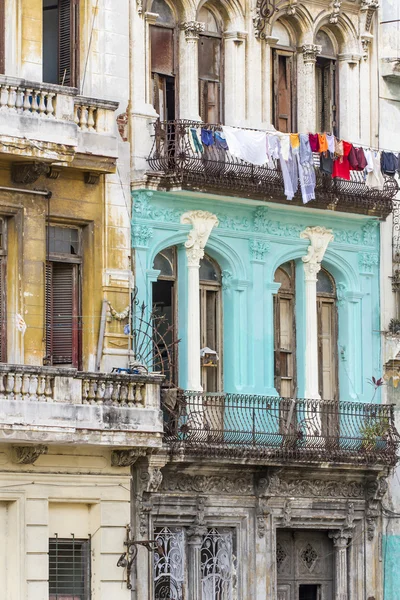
<point x="251" y="241"/>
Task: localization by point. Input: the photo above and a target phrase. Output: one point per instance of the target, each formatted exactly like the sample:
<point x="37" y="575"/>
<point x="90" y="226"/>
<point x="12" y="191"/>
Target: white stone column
<point x="234" y="77"/>
<point x="340" y="543"/>
<point x="349" y="85"/>
<point x="306" y="114"/>
<point x="202" y="223"/>
<point x="195" y="536"/>
<point x="189" y="70"/>
<point x="319" y="238"/>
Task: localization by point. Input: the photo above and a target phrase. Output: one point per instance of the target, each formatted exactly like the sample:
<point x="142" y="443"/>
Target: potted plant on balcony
<point x="374" y="433"/>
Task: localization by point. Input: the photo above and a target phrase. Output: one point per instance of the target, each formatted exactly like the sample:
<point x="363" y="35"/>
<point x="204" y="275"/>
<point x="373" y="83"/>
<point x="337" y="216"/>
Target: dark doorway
<point x="309" y="592"/>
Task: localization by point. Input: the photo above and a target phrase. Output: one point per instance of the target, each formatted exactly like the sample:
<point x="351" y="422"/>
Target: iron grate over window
<point x="69" y="568"/>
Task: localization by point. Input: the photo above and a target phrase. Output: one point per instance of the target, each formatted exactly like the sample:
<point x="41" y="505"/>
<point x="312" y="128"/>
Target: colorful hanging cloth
<point x="247" y="145"/>
<point x="314" y="141"/>
<point x="323" y="143"/>
<point x="207" y="137"/>
<point x="357" y="159"/>
<point x="294" y="140"/>
<point x="306" y="176"/>
<point x="220" y="140"/>
<point x="341" y="166"/>
<point x="326" y="164"/>
<point x="331" y="143"/>
<point x="389" y="163"/>
<point x="194" y="141"/>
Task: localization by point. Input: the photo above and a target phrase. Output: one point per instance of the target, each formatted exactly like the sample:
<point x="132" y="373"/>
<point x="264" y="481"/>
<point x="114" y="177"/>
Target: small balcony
<point x="279" y="430"/>
<point x="57" y="405"/>
<point x="53" y="123"/>
<point x="174" y="164"/>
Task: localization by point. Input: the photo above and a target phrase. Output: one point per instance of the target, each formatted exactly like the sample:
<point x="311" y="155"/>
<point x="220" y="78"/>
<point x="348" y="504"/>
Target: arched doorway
<point x="327" y="336"/>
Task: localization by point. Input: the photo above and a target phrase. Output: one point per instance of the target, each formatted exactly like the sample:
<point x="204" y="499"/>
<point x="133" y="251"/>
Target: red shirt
<point x="341" y="166"/>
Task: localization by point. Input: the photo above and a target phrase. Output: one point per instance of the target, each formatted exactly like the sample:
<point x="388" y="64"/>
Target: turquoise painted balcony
<point x="275" y="430"/>
<point x="175" y="164"/>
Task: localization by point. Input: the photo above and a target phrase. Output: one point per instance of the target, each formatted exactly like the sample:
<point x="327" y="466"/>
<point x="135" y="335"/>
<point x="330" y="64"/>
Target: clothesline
<point x="275" y="131"/>
<point x="295" y="153"/>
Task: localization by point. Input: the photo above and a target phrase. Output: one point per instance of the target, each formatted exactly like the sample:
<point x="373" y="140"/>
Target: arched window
<point x="163" y="60"/>
<point x="165" y="306"/>
<point x="284" y="331"/>
<point x="283" y="79"/>
<point x="211" y="324"/>
<point x="210" y="68"/>
<point x="326" y="74"/>
<point x="327" y="336"/>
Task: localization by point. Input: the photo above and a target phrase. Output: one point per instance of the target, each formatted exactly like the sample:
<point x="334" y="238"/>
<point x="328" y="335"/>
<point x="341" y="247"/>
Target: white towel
<point x="247" y="145"/>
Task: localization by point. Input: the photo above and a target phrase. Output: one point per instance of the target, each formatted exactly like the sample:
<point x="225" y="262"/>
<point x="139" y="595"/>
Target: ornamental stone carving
<point x="192" y="29"/>
<point x="334" y="16"/>
<point x="319" y="239"/>
<point x="369" y="6"/>
<point x="310" y="53"/>
<point x="258" y="249"/>
<point x="141" y="235"/>
<point x="28" y="455"/>
<point x="126" y="458"/>
<point x="262" y="514"/>
<point x="202" y="223"/>
<point x="308" y="488"/>
<point x="375" y="489"/>
<point x="238" y="485"/>
<point x="367" y="261"/>
<point x="28" y="172"/>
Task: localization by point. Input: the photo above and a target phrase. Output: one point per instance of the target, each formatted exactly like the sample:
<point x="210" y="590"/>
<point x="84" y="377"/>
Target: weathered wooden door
<point x="304" y="561"/>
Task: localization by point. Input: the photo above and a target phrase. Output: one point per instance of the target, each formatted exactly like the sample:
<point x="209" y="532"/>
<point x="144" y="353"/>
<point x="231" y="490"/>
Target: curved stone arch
<point x="230" y="12"/>
<point x="300" y="23"/>
<point x="340" y="269"/>
<point x="225" y="255"/>
<point x="344" y="31"/>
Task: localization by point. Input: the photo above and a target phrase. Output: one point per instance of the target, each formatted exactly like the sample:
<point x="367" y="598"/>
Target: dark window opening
<point x="285" y="331"/>
<point x="309" y="592"/>
<point x="326" y="95"/>
<point x="69" y="569"/>
<point x="327" y="336"/>
<point x="210" y="74"/>
<point x="162" y="48"/>
<point x="61" y="41"/>
<point x="211" y="324"/>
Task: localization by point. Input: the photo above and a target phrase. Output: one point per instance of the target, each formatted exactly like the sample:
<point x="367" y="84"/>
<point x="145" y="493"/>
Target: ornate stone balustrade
<point x="57" y="122"/>
<point x="68" y="404"/>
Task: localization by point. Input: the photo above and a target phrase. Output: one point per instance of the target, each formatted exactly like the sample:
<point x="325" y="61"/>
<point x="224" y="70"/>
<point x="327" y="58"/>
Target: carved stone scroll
<point x="28" y="455"/>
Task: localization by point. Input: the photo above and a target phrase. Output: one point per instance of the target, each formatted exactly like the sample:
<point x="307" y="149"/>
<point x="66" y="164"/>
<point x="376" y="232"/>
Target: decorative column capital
<point x="202" y="224"/>
<point x="319" y="239"/>
<point x="310" y="52"/>
<point x="192" y="29"/>
<point x="340" y="538"/>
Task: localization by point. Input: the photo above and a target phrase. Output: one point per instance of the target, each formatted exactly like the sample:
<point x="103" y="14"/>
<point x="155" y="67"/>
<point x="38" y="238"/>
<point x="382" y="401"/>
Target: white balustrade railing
<point x="49" y="384"/>
<point x="85" y="116"/>
<point x="113" y="390"/>
<point x="27" y="100"/>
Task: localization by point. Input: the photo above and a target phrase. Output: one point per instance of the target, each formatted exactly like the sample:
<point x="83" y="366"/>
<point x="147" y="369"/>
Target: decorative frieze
<point x="310" y="53"/>
<point x="308" y="488"/>
<point x="207" y="484"/>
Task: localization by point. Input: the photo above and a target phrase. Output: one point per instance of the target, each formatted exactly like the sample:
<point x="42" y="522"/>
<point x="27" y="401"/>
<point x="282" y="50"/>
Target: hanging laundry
<point x="284" y="139"/>
<point x="331" y="143"/>
<point x="326" y="164"/>
<point x="194" y="141"/>
<point x="294" y="140"/>
<point x="341" y="166"/>
<point x="306" y="155"/>
<point x="389" y="163"/>
<point x="338" y="148"/>
<point x="220" y="140"/>
<point x="314" y="141"/>
<point x="273" y="147"/>
<point x="357" y="159"/>
<point x="374" y="177"/>
<point x="207" y="137"/>
<point x="247" y="145"/>
<point x="306" y="173"/>
<point x="323" y="143"/>
<point x="289" y="173"/>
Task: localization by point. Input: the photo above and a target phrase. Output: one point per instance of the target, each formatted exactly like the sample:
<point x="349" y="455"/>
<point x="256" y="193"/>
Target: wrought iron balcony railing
<point x="216" y="170"/>
<point x="279" y="429"/>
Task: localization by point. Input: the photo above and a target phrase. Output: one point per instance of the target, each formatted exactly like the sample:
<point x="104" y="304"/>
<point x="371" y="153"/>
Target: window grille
<point x="218" y="574"/>
<point x="69" y="569"/>
<point x="169" y="564"/>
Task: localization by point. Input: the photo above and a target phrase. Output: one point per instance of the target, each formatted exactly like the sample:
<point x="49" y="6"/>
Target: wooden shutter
<point x="2" y="36"/>
<point x="210" y="101"/>
<point x="210" y="69"/>
<point x="327" y="337"/>
<point x="68" y="42"/>
<point x="283" y="90"/>
<point x="327" y="95"/>
<point x="162" y="50"/>
<point x="62" y="302"/>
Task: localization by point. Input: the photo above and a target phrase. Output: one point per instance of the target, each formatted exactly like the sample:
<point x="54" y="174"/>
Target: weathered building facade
<point x="276" y="462"/>
<point x="65" y="295"/>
